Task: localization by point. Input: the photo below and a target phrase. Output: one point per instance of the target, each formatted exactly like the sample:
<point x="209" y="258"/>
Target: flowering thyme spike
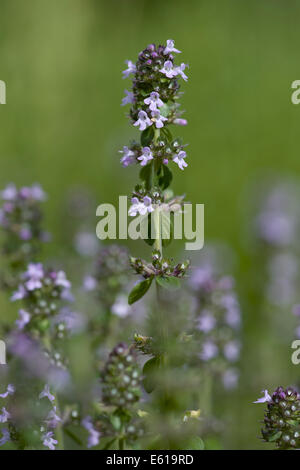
<point x="20" y="219"/>
<point x="282" y="418"/>
<point x="154" y="107"/>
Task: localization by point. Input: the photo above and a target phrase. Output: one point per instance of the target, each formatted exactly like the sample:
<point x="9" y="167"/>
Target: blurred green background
<point x="63" y="126"/>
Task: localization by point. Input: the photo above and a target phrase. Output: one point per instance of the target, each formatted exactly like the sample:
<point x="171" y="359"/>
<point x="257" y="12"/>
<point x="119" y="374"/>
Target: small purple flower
<point x="131" y="69"/>
<point x="265" y="399"/>
<point x="128" y="156"/>
<point x="23" y="320"/>
<point x="206" y="322"/>
<point x="46" y="393"/>
<point x="37" y="193"/>
<point x="168" y="70"/>
<point x="4" y="416"/>
<point x="139" y="207"/>
<point x="153" y="101"/>
<point x="53" y="419"/>
<point x="143" y="121"/>
<point x="180" y="71"/>
<point x="19" y="294"/>
<point x="9" y="193"/>
<point x="94" y="435"/>
<point x="146" y="156"/>
<point x="232" y="351"/>
<point x="25" y="234"/>
<point x="34" y="271"/>
<point x="159" y="119"/>
<point x="9" y="391"/>
<point x="170" y="47"/>
<point x="89" y="283"/>
<point x="48" y="440"/>
<point x="5" y="437"/>
<point x="121" y="308"/>
<point x="62" y="281"/>
<point x="209" y="350"/>
<point x="180" y="122"/>
<point x="179" y="159"/>
<point x="128" y="99"/>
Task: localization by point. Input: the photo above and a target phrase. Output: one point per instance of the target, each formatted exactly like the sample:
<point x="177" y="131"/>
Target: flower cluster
<point x="160" y="267"/>
<point x="20" y="218"/>
<point x="155" y="87"/>
<point x="121" y="378"/>
<point x="110" y="276"/>
<point x="41" y="291"/>
<point x="163" y="151"/>
<point x="146" y="201"/>
<point x="217" y="322"/>
<point x="5" y="415"/>
<point x="282" y="418"/>
<point x="52" y="421"/>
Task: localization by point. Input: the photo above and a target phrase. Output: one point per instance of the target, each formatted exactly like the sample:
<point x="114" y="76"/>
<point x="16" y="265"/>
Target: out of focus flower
<point x="94" y="435"/>
<point x="131" y="68"/>
<point x="46" y="393"/>
<point x="48" y="440"/>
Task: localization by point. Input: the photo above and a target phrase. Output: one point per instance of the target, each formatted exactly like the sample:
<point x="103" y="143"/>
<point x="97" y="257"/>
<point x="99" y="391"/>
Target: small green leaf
<point x="145" y="175"/>
<point x="116" y="422"/>
<point x="275" y="436"/>
<point x="170" y="283"/>
<point x="147" y="136"/>
<point x="149" y="369"/>
<point x="139" y="290"/>
<point x="166" y="178"/>
<point x="195" y="443"/>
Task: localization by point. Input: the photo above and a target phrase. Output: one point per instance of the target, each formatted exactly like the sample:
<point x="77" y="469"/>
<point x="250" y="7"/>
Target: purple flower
<point x="131" y="69"/>
<point x="89" y="283"/>
<point x="209" y="350"/>
<point x="170" y="47"/>
<point x="9" y="193"/>
<point x="5" y="437"/>
<point x="143" y="121"/>
<point x="4" y="416"/>
<point x="9" y="391"/>
<point x="37" y="193"/>
<point x="33" y="284"/>
<point x="23" y="320"/>
<point x="180" y="71"/>
<point x="25" y="234"/>
<point x="128" y="156"/>
<point x="139" y="207"/>
<point x="180" y="122"/>
<point x="159" y="119"/>
<point x="168" y="70"/>
<point x="206" y="322"/>
<point x="94" y="435"/>
<point x="53" y="419"/>
<point x="265" y="399"/>
<point x="179" y="159"/>
<point x="232" y="350"/>
<point x="121" y="308"/>
<point x="19" y="294"/>
<point x="46" y="393"/>
<point x="128" y="99"/>
<point x="146" y="156"/>
<point x="153" y="101"/>
<point x="48" y="440"/>
<point x="62" y="281"/>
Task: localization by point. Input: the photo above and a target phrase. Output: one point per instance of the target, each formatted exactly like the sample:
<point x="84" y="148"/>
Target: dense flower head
<point x="217" y="322"/>
<point x="160" y="267"/>
<point x="155" y="86"/>
<point x="282" y="418"/>
<point x="42" y="291"/>
<point x="121" y="378"/>
<point x="110" y="275"/>
<point x="20" y="218"/>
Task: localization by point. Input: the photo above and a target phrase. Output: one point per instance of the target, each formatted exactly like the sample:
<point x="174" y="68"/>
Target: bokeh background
<point x="62" y="126"/>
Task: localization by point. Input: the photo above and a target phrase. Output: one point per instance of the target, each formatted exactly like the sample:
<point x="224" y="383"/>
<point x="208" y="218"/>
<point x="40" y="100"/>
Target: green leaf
<point x="139" y="290"/>
<point x="164" y="110"/>
<point x="147" y="136"/>
<point x="149" y="370"/>
<point x="116" y="422"/>
<point x="195" y="443"/>
<point x="170" y="283"/>
<point x="275" y="436"/>
<point x="145" y="175"/>
<point x="166" y="178"/>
